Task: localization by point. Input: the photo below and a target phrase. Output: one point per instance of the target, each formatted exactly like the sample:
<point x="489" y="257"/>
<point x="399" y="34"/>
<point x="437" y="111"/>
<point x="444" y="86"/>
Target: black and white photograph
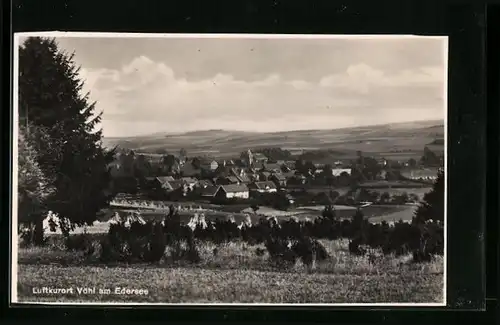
<point x="229" y="169"/>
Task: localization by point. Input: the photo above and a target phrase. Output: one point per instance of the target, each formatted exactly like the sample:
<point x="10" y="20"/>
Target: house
<point x="250" y="158"/>
<point x="166" y="178"/>
<point x="265" y="175"/>
<point x="241" y="175"/>
<point x="233" y="191"/>
<point x="254" y="177"/>
<point x="339" y="171"/>
<point x="233" y="180"/>
<point x="279" y="179"/>
<point x="258" y="165"/>
<point x="289" y="174"/>
<point x="209" y="192"/>
<point x="209" y="165"/>
<point x="285" y="168"/>
<point x="226" y="191"/>
<point x="272" y="167"/>
<point x="382" y="162"/>
<point x="263" y="187"/>
<point x="223" y="180"/>
<point x="229" y="163"/>
<point x="382" y="175"/>
<point x="223" y="170"/>
<point x="259" y="158"/>
<point x="425" y="174"/>
<point x="176" y="184"/>
<point x="167" y="184"/>
<point x="203" y="183"/>
<point x="161" y="182"/>
<point x="190" y="182"/>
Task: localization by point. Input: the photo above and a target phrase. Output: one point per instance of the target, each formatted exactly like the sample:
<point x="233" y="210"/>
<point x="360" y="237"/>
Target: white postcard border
<point x="15" y="129"/>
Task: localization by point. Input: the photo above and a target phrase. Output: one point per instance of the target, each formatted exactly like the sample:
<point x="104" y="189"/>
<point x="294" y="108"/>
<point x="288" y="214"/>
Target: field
<point x="374" y="213"/>
<point x="393" y="141"/>
<point x="235" y="275"/>
<point x="420" y="192"/>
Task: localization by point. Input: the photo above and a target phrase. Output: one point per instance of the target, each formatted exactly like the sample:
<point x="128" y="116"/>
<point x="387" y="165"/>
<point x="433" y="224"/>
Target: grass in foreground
<point x="234" y="275"/>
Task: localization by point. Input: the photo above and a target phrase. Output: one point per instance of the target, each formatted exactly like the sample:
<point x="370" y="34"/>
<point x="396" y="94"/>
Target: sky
<point x="150" y="85"/>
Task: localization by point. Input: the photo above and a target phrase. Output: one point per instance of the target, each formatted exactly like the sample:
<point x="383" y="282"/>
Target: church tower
<point x="250" y="157"/>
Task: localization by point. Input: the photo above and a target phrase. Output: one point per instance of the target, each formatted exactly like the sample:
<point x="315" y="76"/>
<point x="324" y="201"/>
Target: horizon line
<point x="271" y="132"/>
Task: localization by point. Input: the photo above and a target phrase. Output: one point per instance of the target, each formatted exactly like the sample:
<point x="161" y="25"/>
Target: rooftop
<point x="235" y="188"/>
<point x="210" y="190"/>
<point x="189" y="179"/>
<point x="265" y="185"/>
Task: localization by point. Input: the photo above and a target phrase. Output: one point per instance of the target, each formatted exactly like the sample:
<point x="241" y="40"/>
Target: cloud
<point x="363" y="78"/>
<point x="145" y="96"/>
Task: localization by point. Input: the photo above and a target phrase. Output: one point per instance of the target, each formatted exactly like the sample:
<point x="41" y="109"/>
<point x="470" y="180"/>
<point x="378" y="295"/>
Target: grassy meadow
<point x="235" y="275"/>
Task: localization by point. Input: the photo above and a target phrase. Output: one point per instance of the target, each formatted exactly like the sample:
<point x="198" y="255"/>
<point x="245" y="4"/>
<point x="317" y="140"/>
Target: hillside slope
<point x="393" y="140"/>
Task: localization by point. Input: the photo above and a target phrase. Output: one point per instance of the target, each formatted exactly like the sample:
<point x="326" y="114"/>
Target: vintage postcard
<point x="229" y="169"/>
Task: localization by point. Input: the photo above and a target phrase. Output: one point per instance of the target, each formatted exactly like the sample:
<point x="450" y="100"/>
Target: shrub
<point x="309" y="250"/>
<point x="157" y="244"/>
<point x="148" y="242"/>
<point x="110" y="252"/>
<point x="279" y="252"/>
<point x="79" y="242"/>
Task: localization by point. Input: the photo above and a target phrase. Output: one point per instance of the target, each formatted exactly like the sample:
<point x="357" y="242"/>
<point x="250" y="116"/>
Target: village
<point x="253" y="177"/>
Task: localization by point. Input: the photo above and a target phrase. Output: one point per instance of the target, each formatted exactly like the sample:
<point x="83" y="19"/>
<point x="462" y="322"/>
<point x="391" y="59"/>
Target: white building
<point x="234" y="191"/>
<point x="264" y="187"/>
<point x="428" y="174"/>
<point x="339" y="171"/>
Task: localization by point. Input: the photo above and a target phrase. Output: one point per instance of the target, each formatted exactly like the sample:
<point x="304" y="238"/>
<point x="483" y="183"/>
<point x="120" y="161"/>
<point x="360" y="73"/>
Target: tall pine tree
<point x="432" y="205"/>
<point x="71" y="155"/>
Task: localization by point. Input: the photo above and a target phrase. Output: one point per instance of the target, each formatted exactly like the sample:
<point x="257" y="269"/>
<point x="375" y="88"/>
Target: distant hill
<point x="437" y="142"/>
<point x="390" y="140"/>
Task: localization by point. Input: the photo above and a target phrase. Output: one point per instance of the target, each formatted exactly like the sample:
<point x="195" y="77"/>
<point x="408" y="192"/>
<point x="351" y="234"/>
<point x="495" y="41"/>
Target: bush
<point x="148" y="242"/>
<point x="309" y="250"/>
<point x="110" y="252"/>
<point x="79" y="243"/>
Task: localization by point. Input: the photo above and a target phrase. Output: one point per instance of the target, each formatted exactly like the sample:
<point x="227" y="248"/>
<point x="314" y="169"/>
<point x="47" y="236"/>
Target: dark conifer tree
<point x="432" y="205"/>
<point x="71" y="156"/>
